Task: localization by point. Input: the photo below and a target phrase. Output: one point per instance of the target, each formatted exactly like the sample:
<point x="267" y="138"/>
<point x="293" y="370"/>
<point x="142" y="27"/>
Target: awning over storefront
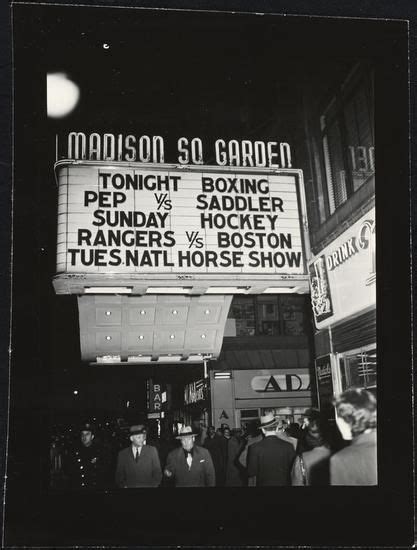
<point x="262" y="359"/>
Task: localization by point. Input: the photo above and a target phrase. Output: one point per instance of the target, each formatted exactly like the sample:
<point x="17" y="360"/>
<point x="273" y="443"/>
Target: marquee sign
<point x="129" y="220"/>
<point x="151" y="149"/>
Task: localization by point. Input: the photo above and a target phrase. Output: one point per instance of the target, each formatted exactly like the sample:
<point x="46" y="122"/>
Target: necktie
<point x="189" y="460"/>
<point x="137" y="455"/>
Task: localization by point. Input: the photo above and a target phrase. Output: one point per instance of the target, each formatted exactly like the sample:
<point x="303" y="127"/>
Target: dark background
<point x="203" y="74"/>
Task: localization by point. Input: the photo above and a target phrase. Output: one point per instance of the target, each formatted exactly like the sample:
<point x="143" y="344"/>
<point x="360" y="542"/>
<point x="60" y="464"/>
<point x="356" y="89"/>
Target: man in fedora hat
<point x="190" y="465"/>
<point x="138" y="465"/>
<point x="305" y="442"/>
<point x="270" y="461"/>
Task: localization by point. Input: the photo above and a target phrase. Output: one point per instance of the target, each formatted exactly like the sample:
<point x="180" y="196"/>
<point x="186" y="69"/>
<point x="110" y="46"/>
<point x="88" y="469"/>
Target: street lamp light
<point x="62" y="95"/>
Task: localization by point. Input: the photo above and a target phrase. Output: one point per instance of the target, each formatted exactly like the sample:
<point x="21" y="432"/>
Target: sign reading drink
<point x="129" y="218"/>
<point x="343" y="276"/>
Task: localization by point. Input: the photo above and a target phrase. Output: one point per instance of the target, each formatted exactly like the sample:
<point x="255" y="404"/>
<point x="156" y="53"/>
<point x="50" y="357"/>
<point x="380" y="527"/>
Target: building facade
<point x="341" y="199"/>
<point x="266" y="361"/>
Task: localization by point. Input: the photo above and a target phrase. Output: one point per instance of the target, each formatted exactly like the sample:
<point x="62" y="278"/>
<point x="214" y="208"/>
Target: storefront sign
<point x="321" y="299"/>
<point x="266" y="384"/>
<point x="342" y="278"/>
<point x="325" y="389"/>
<point x="194" y="392"/>
<point x="280" y="382"/>
<point x="154" y="397"/>
<point x="363" y="240"/>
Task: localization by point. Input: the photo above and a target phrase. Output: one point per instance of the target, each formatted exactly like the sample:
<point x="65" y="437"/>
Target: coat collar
<point x="195" y="451"/>
<point x="132" y="450"/>
<point x="365" y="437"/>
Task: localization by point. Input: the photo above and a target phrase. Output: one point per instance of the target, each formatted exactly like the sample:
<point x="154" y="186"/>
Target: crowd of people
<point x="269" y="453"/>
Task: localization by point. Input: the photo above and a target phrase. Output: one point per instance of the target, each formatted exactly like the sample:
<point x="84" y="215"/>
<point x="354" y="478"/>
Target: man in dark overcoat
<point x="190" y="465"/>
<point x="138" y="465"/>
<point x="213" y="443"/>
<point x="87" y="464"/>
<point x="270" y="461"/>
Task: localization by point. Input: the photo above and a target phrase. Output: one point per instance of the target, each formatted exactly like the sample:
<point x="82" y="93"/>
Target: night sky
<point x="147" y="73"/>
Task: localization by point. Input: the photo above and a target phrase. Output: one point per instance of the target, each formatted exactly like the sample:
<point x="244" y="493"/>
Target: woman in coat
<point x="312" y="467"/>
<point x="356" y="464"/>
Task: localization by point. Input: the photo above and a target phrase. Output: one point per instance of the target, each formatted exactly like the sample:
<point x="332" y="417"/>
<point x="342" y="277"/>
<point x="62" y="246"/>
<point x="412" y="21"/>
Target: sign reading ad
<point x="124" y="219"/>
<point x="342" y="278"/>
<point x="264" y="384"/>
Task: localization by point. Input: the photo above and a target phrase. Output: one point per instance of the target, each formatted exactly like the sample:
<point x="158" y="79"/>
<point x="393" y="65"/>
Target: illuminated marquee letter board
<point x="124" y="222"/>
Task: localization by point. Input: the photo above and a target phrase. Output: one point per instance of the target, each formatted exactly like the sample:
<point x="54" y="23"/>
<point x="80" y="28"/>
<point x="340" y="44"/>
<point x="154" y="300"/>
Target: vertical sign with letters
<point x="154" y="396"/>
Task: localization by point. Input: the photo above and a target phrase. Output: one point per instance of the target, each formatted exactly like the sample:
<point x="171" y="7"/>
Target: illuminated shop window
<point x="347" y="129"/>
<point x="272" y="315"/>
<point x="358" y="369"/>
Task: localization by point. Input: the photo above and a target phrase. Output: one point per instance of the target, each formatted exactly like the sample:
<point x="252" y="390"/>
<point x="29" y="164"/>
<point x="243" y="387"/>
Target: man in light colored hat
<point x="270" y="461"/>
<point x="190" y="465"/>
<point x="138" y="465"/>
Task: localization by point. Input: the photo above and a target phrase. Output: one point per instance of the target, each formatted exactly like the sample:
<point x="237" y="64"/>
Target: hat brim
<point x="311" y="413"/>
<point x="137" y="432"/>
<point x="269" y="424"/>
<point x="180" y="436"/>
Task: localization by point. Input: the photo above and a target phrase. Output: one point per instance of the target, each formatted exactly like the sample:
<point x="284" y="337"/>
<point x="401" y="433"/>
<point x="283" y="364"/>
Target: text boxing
<point x="136" y="220"/>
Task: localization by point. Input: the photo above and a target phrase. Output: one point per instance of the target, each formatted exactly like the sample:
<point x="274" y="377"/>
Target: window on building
<point x="358" y="369"/>
<point x="272" y="315"/>
<point x="268" y="315"/>
<point x="248" y="417"/>
<point x="249" y="413"/>
<point x="242" y="311"/>
<point x="293" y="315"/>
<point x="347" y="133"/>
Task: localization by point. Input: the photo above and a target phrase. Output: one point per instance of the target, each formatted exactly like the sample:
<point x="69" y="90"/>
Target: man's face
<point x="138" y="439"/>
<point x="226" y="433"/>
<point x="304" y="422"/>
<point x="86" y="438"/>
<point x="211" y="431"/>
<point x="187" y="442"/>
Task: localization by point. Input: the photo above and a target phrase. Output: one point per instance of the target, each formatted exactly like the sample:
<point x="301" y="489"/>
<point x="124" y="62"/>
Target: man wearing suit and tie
<point x="270" y="461"/>
<point x="190" y="465"/>
<point x="138" y="465"/>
